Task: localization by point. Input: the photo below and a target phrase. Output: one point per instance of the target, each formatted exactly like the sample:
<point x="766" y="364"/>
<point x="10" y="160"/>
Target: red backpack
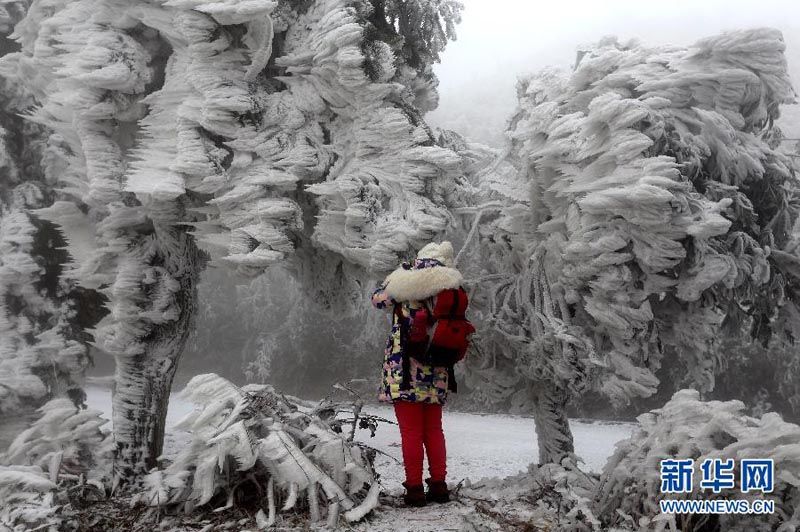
<point x="451" y="328"/>
<point x="439" y="337"/>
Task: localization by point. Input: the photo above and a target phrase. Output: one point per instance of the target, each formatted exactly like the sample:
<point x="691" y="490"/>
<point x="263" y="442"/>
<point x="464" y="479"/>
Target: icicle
<point x="369" y="503"/>
<point x="291" y="499"/>
<point x="263" y="521"/>
<point x="313" y="502"/>
<point x="333" y="515"/>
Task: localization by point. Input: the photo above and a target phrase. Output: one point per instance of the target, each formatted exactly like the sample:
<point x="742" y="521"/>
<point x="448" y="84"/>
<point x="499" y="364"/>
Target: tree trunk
<point x="552" y="426"/>
<point x="143" y="381"/>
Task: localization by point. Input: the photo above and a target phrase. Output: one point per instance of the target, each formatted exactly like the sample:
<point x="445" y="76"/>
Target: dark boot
<point x="415" y="495"/>
<point x="437" y="491"/>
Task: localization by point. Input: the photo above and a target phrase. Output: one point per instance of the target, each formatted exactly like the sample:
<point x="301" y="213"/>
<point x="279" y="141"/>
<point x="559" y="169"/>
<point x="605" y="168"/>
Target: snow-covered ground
<point x="492" y="445"/>
<point x="478" y="445"/>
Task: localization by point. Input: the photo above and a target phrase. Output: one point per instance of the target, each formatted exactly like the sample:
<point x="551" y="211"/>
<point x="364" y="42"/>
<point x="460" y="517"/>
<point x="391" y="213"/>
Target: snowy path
<point x="492" y="445"/>
<point x="478" y="446"/>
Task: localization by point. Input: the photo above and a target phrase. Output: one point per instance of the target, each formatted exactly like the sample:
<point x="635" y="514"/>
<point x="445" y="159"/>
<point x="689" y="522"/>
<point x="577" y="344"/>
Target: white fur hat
<point x="442" y="252"/>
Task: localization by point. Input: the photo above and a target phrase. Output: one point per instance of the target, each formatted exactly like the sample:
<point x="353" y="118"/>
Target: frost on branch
<point x="646" y="211"/>
<point x="252" y="441"/>
<point x="656" y="206"/>
<point x="686" y="427"/>
<point x="189" y="124"/>
<point x="39" y="354"/>
<point x="59" y="457"/>
<point x="240" y="109"/>
<point x="26" y="500"/>
<point x="66" y="441"/>
<point x="548" y="497"/>
<point x="385" y="183"/>
<point x="11" y="12"/>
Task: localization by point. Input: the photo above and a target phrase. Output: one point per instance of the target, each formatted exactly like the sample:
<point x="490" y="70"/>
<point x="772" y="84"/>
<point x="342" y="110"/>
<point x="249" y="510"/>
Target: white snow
<point x="478" y="445"/>
<point x="491" y="445"/>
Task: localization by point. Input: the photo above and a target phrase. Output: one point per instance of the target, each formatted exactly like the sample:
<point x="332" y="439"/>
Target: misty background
<point x="268" y="330"/>
<point x="499" y="40"/>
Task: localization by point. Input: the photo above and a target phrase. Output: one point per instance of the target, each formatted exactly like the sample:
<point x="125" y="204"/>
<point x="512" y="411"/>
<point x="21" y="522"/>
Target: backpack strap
<point x="454" y="308"/>
<point x="434" y="320"/>
<point x="405" y="383"/>
<point x="452" y="385"/>
<point x="426" y="304"/>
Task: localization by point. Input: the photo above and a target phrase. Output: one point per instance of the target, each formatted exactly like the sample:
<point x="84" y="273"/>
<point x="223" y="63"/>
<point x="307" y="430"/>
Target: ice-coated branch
<point x="687" y="427"/>
<point x="248" y="130"/>
<point x="641" y="177"/>
<point x="254" y="431"/>
<point x="645" y="206"/>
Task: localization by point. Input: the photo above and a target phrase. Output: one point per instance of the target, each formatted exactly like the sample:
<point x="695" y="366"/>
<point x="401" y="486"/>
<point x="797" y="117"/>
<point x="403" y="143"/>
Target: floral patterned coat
<point x="427" y="384"/>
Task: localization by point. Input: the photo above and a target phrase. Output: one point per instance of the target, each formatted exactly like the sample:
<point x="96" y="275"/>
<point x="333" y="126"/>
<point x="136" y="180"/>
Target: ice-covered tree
<point x="648" y="213"/>
<point x="67" y="441"/>
<point x="252" y="131"/>
<point x="42" y="347"/>
<point x="40" y="354"/>
<point x="686" y="427"/>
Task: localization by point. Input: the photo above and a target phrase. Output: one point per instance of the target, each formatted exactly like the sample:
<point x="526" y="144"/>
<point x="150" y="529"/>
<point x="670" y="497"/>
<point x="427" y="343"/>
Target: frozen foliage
<point x="655" y="183"/>
<point x="253" y="440"/>
<point x="221" y="125"/>
<point x="66" y="441"/>
<point x="26" y="500"/>
<point x="547" y="497"/>
<point x="18" y="358"/>
<point x="686" y="427"/>
<point x="369" y="212"/>
<point x="232" y="127"/>
<point x="647" y="213"/>
<point x="625" y="496"/>
<point x="39" y="355"/>
<point x="42" y="349"/>
<point x="63" y="455"/>
<point x="11" y="12"/>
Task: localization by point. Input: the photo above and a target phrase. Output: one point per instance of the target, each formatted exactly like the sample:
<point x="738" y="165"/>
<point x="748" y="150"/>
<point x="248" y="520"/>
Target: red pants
<point x="421" y="425"/>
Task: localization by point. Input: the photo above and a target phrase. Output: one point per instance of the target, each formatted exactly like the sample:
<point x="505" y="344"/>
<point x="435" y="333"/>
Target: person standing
<point x="417" y="390"/>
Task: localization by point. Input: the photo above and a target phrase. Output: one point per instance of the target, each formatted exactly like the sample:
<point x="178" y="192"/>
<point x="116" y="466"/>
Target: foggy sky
<point x="500" y="39"/>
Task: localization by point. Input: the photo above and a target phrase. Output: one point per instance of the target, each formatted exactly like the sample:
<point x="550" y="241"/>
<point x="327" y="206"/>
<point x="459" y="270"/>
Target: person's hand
<point x="380" y="299"/>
